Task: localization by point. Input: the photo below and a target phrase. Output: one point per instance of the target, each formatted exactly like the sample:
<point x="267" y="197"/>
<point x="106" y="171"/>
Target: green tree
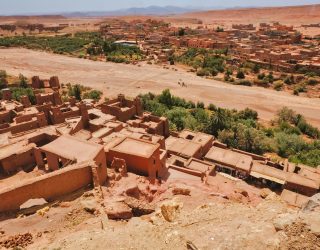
<point x="177" y="116"/>
<point x="23" y="82"/>
<point x="218" y="121"/>
<point x="165" y="98"/>
<point x="3" y="79"/>
<point x="76" y="91"/>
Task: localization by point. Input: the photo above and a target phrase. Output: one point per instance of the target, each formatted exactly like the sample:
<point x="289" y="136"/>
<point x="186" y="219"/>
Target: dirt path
<point x="131" y="80"/>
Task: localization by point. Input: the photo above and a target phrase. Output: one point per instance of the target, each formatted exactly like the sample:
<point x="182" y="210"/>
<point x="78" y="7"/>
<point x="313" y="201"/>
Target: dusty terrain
<point x="222" y="214"/>
<point x="132" y="80"/>
<point x="288" y="15"/>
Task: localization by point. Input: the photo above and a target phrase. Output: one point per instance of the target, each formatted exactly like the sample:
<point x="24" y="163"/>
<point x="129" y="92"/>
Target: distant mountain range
<point x="151" y="10"/>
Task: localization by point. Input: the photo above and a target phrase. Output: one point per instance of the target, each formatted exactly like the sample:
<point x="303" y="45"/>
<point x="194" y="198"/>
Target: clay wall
<point x="49" y="187"/>
<point x="36" y="83"/>
<point x="308" y="191"/>
<point x="186" y="170"/>
<point x="5" y="117"/>
<point x="23" y="118"/>
<point x="21" y="127"/>
<point x="6" y="94"/>
<point x="54" y="82"/>
<point x="14" y="162"/>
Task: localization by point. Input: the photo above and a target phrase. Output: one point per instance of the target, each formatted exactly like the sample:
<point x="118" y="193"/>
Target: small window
<point x="190" y="137"/>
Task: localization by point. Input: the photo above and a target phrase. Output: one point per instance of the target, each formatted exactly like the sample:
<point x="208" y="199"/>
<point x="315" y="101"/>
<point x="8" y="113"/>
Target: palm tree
<point x="218" y="121"/>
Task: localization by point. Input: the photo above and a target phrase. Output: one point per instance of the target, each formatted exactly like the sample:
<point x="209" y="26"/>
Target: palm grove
<point x="283" y="137"/>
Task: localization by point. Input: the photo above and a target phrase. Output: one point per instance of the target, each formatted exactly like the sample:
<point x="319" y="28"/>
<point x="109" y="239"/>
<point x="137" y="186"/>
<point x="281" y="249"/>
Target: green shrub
<point x="18" y="92"/>
<point x="312" y="81"/>
<point x="244" y="83"/>
<point x="240" y="74"/>
<point x="214" y="72"/>
<point x="203" y="72"/>
<point x="93" y="94"/>
<point x="299" y="88"/>
<point x="200" y="105"/>
<point x="261" y="76"/>
<point x="212" y="107"/>
<point x="278" y="85"/>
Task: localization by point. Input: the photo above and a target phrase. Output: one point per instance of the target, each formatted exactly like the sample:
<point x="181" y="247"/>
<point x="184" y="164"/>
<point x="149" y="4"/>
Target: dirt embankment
<point x="132" y="80"/>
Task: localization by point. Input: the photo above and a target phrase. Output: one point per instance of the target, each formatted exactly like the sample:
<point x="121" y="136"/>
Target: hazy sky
<point x="9" y="7"/>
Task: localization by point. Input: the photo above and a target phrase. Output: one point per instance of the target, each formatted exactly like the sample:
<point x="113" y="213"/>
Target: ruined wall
<point x="36" y="83"/>
<point x="5" y="117"/>
<point x="138" y="164"/>
<point x="14" y="162"/>
<point x="23" y="118"/>
<point x="49" y="186"/>
<point x="21" y="127"/>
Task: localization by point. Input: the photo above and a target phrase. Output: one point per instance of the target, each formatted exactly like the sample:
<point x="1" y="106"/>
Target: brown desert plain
<point x="293" y="15"/>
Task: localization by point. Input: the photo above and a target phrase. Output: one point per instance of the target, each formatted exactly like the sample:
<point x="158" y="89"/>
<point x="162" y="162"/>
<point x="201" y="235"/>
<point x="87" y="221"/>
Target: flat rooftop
<point x="136" y="147"/>
<point x="229" y="158"/>
<point x="70" y="147"/>
<point x="198" y="137"/>
<point x="15" y="148"/>
<point x="198" y="165"/>
<point x="182" y="146"/>
<point x="260" y="170"/>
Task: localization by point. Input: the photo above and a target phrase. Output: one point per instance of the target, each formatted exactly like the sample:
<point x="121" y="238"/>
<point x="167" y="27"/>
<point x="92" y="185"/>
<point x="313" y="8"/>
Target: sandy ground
<point x="202" y="221"/>
<point x="132" y="80"/>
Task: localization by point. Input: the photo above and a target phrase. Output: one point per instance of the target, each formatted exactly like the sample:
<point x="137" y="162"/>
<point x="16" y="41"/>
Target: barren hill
<point x="295" y="15"/>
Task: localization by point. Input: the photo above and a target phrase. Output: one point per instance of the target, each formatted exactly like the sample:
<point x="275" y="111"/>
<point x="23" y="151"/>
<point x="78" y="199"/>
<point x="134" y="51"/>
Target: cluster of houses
<point x="73" y="144"/>
<point x="274" y="46"/>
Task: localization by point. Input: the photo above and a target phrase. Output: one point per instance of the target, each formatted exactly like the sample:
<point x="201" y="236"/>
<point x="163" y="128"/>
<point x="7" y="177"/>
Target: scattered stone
<point x="89" y="205"/>
<point x="170" y="210"/>
<point x="273" y="197"/>
<point x="312" y="221"/>
<point x="313" y="204"/>
<point x="17" y="241"/>
<point x="191" y="246"/>
<point x="242" y="192"/>
<point x="181" y="190"/>
<point x="219" y="195"/>
<point x="118" y="211"/>
<point x="111" y="176"/>
<point x="33" y="203"/>
<point x="43" y="211"/>
<point x="117" y="177"/>
<point x="65" y="204"/>
<point x="139" y="207"/>
<point x="133" y="191"/>
<point x="265" y="192"/>
<point x="88" y="194"/>
<point x="284" y="220"/>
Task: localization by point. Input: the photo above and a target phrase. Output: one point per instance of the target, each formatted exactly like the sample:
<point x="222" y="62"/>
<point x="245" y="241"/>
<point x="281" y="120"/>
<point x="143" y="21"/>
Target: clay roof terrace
<point x="70" y="147"/>
<point x="229" y="158"/>
<point x="137" y="147"/>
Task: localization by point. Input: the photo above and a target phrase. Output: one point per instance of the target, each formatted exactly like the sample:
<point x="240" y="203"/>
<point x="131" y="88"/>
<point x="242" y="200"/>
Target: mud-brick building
<point x="141" y="157"/>
<point x="67" y="150"/>
<point x="230" y="162"/>
<point x="123" y="109"/>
